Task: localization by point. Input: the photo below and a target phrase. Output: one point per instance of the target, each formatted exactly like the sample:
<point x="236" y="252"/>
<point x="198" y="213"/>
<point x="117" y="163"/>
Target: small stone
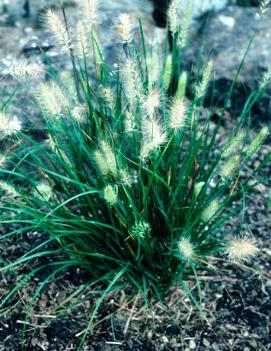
<point x="164" y="339"/>
<point x="192" y="345"/>
<point x="246" y="333"/>
<point x="149" y="335"/>
<point x="205" y="342"/>
<point x="215" y="346"/>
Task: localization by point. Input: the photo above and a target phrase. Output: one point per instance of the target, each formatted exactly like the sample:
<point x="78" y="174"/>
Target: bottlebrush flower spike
<point x="2" y="160"/>
<point x="82" y="40"/>
<point x="105" y="160"/>
<point x="228" y="168"/>
<point x="140" y="229"/>
<point x="126" y="28"/>
<point x="241" y="249"/>
<point x="153" y="137"/>
<point x="51" y="98"/>
<point x="178" y="114"/>
<point x="55" y="24"/>
<point x="24" y="70"/>
<point x="184" y="29"/>
<point x="111" y="195"/>
<point x="130" y="124"/>
<point x="186" y="249"/>
<point x="210" y="211"/>
<point x="126" y="178"/>
<point x="173" y="19"/>
<point x="8" y="125"/>
<point x="89" y="12"/>
<point x="203" y="85"/>
<point x="9" y="189"/>
<point x="257" y="142"/>
<point x="152" y="102"/>
<point x="43" y="191"/>
<point x="132" y="82"/>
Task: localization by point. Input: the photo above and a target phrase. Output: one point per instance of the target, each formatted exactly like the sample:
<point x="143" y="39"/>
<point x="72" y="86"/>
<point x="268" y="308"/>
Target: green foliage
<point x="130" y="183"/>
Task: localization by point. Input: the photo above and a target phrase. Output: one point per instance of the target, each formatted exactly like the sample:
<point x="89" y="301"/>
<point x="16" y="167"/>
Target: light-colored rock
<point x="225" y="40"/>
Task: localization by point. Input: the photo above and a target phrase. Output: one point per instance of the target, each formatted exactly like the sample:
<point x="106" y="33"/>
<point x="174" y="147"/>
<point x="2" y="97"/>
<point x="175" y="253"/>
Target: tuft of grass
<point x="130" y="183"/>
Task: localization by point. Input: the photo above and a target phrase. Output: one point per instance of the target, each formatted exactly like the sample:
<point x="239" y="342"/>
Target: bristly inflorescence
<point x="154" y="136"/>
<point x="105" y="160"/>
<point x="178" y="114"/>
<point x="55" y="24"/>
<point x="89" y="11"/>
<point x="203" y="84"/>
<point x="25" y="70"/>
<point x="186" y="249"/>
<point x="126" y="28"/>
<point x="51" y="98"/>
<point x="9" y="125"/>
<point x="173" y="18"/>
<point x="241" y="249"/>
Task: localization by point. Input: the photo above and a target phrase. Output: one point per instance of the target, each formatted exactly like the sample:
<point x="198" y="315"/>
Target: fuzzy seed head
<point x="241" y="249"/>
<point x="203" y="85"/>
<point x="132" y="82"/>
<point x="266" y="78"/>
<point x="82" y="42"/>
<point x="229" y="167"/>
<point x="172" y="15"/>
<point x="24" y="70"/>
<point x="153" y="137"/>
<point x="184" y="30"/>
<point x="126" y="178"/>
<point x="110" y="158"/>
<point x="140" y="229"/>
<point x="55" y="24"/>
<point x="8" y="125"/>
<point x="101" y="162"/>
<point x="2" y="160"/>
<point x="130" y="124"/>
<point x="186" y="249"/>
<point x="107" y="94"/>
<point x="167" y="72"/>
<point x="78" y="113"/>
<point x="178" y="114"/>
<point x="264" y="7"/>
<point x="126" y="28"/>
<point x="257" y="142"/>
<point x="234" y="144"/>
<point x="8" y="189"/>
<point x="51" y="99"/>
<point x="111" y="195"/>
<point x="210" y="211"/>
<point x="43" y="191"/>
<point x="105" y="160"/>
<point x="89" y="11"/>
<point x="152" y="102"/>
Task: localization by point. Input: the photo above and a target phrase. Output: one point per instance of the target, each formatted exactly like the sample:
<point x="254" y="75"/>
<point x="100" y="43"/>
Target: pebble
<point x="149" y="335"/>
<point x="246" y="333"/>
<point x="192" y="345"/>
<point x="164" y="339"/>
<point x="205" y="342"/>
<point x="215" y="346"/>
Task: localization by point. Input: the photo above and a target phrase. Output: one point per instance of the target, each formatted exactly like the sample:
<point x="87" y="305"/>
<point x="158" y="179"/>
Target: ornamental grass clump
<point x="129" y="183"/>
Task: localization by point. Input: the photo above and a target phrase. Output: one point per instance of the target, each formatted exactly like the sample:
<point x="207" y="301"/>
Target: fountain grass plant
<point x="130" y="183"/>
